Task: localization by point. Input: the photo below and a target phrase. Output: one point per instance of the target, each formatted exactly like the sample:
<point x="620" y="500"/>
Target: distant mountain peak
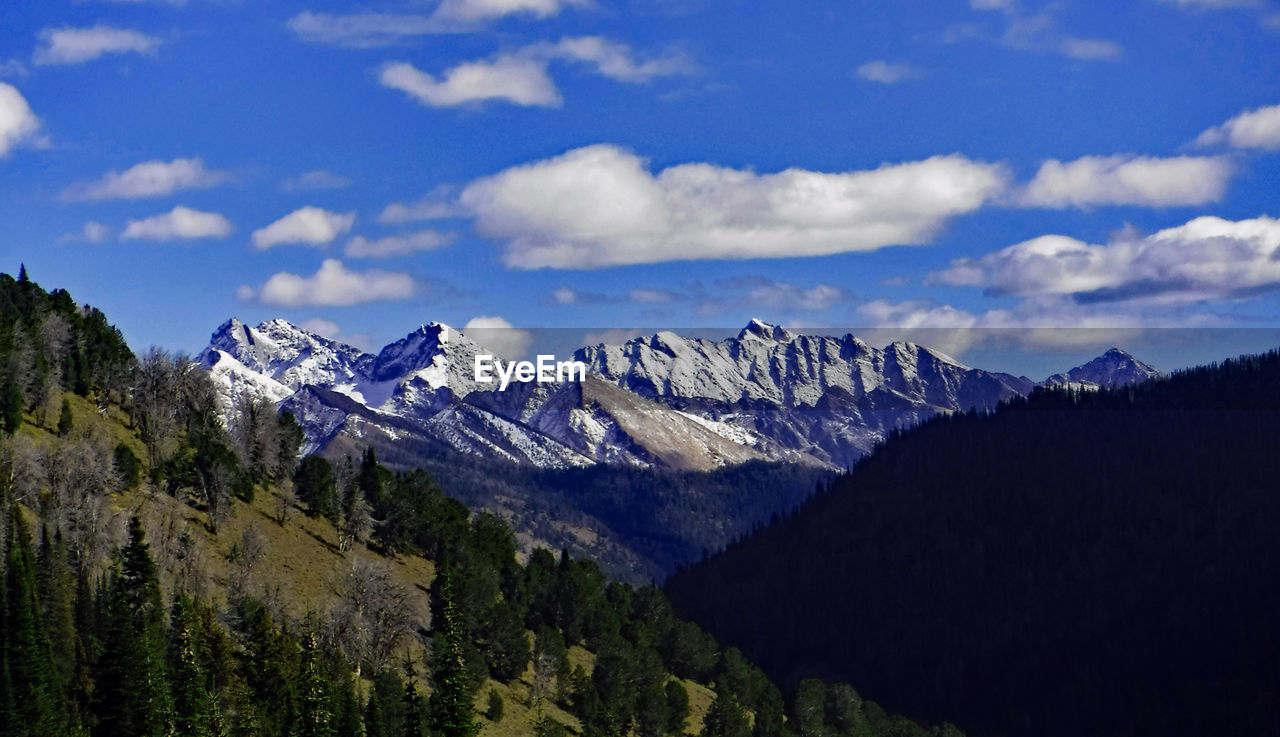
<point x="762" y="330"/>
<point x="1116" y="367"/>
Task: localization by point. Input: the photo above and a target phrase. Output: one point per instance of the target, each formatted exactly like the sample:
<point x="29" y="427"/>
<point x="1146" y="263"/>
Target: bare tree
<point x="286" y="500"/>
<point x="373" y="614"/>
<point x="245" y="554"/>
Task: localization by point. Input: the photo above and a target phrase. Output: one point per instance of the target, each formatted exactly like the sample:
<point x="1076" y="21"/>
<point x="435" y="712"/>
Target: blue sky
<point x="1006" y="166"/>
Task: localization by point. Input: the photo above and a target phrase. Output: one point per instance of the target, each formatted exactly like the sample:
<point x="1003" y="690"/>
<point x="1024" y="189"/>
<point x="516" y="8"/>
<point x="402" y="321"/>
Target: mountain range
<point x="662" y="401"/>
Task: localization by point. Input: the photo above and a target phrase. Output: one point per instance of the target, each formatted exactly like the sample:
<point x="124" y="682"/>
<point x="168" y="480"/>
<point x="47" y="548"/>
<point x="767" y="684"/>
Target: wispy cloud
<point x="91" y="232"/>
<point x="61" y="46"/>
<point x="333" y="285"/>
<point x="313" y="180"/>
<point x="397" y="245"/>
<point x="180" y="223"/>
<point x="367" y="30"/>
<point x="439" y="204"/>
<point x="149" y="179"/>
<point x="310" y="226"/>
<point x="886" y="72"/>
<point x="1037" y="30"/>
<point x="601" y="206"/>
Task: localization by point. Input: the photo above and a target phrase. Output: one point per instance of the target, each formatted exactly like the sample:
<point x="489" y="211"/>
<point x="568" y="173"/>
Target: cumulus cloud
<point x="499" y="336"/>
<point x="613" y="59"/>
<point x="1129" y="180"/>
<point x="601" y="206"/>
<point x="1207" y="258"/>
<point x="334" y="285"/>
<point x="180" y="223"/>
<point x="886" y="72"/>
<point x="477" y="11"/>
<point x="511" y="79"/>
<point x="397" y="245"/>
<point x="149" y="179"/>
<point x="17" y="123"/>
<point x="312" y="180"/>
<point x="439" y="204"/>
<point x="78" y="45"/>
<point x="310" y="226"/>
<point x="1258" y="128"/>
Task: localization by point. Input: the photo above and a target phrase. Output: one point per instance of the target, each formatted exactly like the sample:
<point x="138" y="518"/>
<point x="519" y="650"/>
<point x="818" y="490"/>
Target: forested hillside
<point x="166" y="575"/>
<point x="1075" y="563"/>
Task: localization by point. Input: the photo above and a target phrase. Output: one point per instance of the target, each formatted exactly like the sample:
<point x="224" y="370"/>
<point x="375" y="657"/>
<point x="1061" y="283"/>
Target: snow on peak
<point x="761" y="330"/>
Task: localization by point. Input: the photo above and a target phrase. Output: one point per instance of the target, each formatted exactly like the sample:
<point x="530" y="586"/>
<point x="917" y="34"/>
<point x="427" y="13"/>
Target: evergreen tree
<point x="677" y="707"/>
<point x="316" y="487"/>
<point x="32" y="702"/>
<point x="56" y="591"/>
<point x="314" y="716"/>
<point x="194" y="707"/>
<point x="726" y="717"/>
<point x="132" y="697"/>
<point x="452" y="704"/>
<point x="12" y="402"/>
<point x="416" y="717"/>
<point x="65" y="419"/>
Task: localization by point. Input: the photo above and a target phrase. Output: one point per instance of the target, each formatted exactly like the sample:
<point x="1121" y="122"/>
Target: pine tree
<point x="194" y="707"/>
<point x="453" y="712"/>
<point x="65" y="419"/>
<point x="32" y="702"/>
<point x="314" y="715"/>
<point x="56" y="587"/>
<point x="12" y="401"/>
<point x="132" y="696"/>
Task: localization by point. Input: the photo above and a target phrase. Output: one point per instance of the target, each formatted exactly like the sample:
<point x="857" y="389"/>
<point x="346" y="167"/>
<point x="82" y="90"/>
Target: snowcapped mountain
<point x="661" y="401"/>
<point x="1113" y="368"/>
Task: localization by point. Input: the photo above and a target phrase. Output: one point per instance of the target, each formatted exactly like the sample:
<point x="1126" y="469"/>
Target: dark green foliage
<point x="726" y="718"/>
<point x="677" y="707"/>
<point x="493" y="709"/>
<point x="316" y="487"/>
<point x="1072" y="563"/>
<point x="314" y="717"/>
<point x="132" y="690"/>
<point x="127" y="466"/>
<point x="452" y="703"/>
<point x="195" y="710"/>
<point x="32" y="700"/>
<point x="12" y="402"/>
<point x="65" y="420"/>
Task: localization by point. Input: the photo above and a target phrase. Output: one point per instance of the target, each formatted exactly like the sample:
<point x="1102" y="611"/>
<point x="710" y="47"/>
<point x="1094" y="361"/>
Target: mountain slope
<point x="1077" y="563"/>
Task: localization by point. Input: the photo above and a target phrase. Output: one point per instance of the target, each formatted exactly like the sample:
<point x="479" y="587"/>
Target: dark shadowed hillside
<point x="1091" y="563"/>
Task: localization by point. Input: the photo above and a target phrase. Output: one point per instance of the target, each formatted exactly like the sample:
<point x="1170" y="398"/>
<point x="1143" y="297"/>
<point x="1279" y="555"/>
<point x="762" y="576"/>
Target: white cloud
<point x="180" y="223"/>
<point x="1044" y="324"/>
<point x="475" y="11"/>
<point x="79" y="45"/>
<point x="317" y="179"/>
<point x="149" y="179"/>
<point x="397" y="245"/>
<point x="600" y="206"/>
<point x="322" y="327"/>
<point x="1207" y="258"/>
<point x="1213" y="4"/>
<point x="437" y="205"/>
<point x="1258" y="128"/>
<point x="334" y="285"/>
<point x="17" y="123"/>
<point x="362" y="30"/>
<point x="781" y="295"/>
<point x="91" y="232"/>
<point x="652" y="296"/>
<point x="1129" y="180"/>
<point x="1090" y="49"/>
<point x="13" y="68"/>
<point x="886" y="72"/>
<point x="499" y="336"/>
<point x="613" y="59"/>
<point x="511" y="79"/>
<point x="311" y="226"/>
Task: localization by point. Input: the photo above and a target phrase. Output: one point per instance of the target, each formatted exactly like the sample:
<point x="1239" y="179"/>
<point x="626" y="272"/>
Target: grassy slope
<point x="301" y="566"/>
